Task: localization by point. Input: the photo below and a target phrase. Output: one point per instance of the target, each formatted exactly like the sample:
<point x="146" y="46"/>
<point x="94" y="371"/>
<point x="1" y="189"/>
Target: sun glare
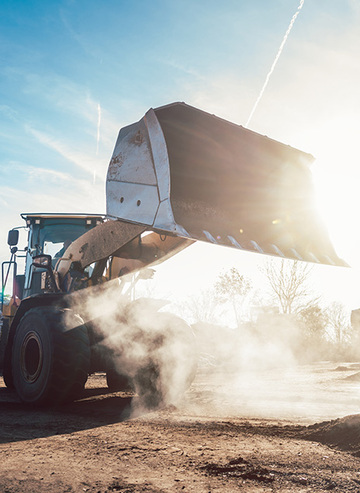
<point x="337" y="183"/>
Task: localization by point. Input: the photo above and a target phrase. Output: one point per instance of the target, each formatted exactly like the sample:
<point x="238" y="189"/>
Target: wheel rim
<point x="31" y="357"/>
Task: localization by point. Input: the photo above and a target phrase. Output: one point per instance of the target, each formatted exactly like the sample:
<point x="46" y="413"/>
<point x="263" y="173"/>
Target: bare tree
<point x="313" y="320"/>
<point x="339" y="321"/>
<point x="232" y="287"/>
<point x="289" y="283"/>
<point x="202" y="308"/>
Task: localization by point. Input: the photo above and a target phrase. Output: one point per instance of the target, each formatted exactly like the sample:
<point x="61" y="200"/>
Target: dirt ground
<point x="282" y="430"/>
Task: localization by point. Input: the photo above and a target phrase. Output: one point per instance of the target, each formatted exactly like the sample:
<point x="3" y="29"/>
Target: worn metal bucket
<point x="183" y="171"/>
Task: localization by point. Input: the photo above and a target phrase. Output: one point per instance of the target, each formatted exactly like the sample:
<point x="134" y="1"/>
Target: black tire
<point x="148" y="382"/>
<point x="5" y="354"/>
<point x="4" y="332"/>
<point x="117" y="381"/>
<point x="50" y="356"/>
<point x="171" y="362"/>
<point x="7" y="371"/>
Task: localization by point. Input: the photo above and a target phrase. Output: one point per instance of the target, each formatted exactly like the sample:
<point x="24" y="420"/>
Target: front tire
<point x="116" y="381"/>
<point x="5" y="354"/>
<point x="170" y="364"/>
<point x="50" y="356"/>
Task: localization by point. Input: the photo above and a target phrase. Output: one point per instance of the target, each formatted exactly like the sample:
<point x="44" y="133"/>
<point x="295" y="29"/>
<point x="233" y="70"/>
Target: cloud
<point x="188" y="70"/>
<point x="226" y="94"/>
<point x="355" y="6"/>
<point x="49" y="177"/>
<point x="66" y="99"/>
<point x="90" y="154"/>
<point x="81" y="159"/>
<point x="81" y="40"/>
<point x="72" y="125"/>
<point x="46" y="191"/>
<point x="9" y="112"/>
<point x="49" y="191"/>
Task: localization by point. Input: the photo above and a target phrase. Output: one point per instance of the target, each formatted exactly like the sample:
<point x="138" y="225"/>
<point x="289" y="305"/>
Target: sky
<point x="73" y="72"/>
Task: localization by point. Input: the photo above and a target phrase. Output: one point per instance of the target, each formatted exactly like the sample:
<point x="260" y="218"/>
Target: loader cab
<point x="51" y="234"/>
<point x="48" y="234"/>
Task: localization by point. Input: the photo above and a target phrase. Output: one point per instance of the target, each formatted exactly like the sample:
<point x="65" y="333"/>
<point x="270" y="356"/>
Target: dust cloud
<point x="266" y="370"/>
<point x="256" y="370"/>
<point x="151" y="349"/>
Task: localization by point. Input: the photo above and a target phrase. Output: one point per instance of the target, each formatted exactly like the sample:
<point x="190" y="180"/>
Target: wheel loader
<point x="177" y="176"/>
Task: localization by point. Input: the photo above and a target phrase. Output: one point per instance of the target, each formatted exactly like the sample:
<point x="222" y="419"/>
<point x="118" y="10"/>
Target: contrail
<point x="98" y="128"/>
<point x="97" y="137"/>
<point x="275" y="61"/>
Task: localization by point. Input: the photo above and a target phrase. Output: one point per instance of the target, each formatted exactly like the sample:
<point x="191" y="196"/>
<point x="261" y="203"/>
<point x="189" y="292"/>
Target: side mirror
<point x="13" y="237"/>
<point x="42" y="261"/>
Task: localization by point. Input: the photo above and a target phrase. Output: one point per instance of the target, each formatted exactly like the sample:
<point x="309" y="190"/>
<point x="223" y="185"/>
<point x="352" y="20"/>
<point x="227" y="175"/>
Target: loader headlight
<point x="42" y="261"/>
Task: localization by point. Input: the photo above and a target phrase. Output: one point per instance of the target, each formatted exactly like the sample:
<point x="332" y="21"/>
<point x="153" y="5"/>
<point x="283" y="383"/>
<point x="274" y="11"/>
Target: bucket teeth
<point x="328" y="260"/>
<point x="295" y="255"/>
<point x="256" y="246"/>
<point x="313" y="258"/>
<point x="277" y="250"/>
<point x="210" y="237"/>
<point x="270" y="249"/>
<point x="234" y="242"/>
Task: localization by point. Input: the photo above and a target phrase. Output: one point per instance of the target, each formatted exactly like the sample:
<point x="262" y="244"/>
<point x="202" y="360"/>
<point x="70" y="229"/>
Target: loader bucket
<point x="182" y="171"/>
